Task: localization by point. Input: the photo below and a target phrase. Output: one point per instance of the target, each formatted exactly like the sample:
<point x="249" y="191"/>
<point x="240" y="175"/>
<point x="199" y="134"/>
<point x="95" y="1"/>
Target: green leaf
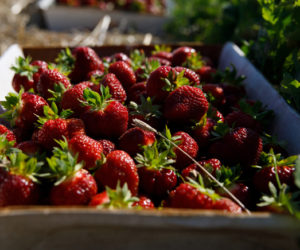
<point x="297" y="172"/>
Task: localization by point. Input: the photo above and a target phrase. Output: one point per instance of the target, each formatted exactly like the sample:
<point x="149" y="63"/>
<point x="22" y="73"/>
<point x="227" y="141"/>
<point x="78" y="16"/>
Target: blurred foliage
<point x="214" y="21"/>
<point x="267" y="30"/>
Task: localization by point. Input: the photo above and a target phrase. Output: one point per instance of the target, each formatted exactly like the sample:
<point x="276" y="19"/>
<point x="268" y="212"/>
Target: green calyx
<point x="21" y="164"/>
<point x="175" y="80"/>
<point x="229" y="76"/>
<point x="137" y="58"/>
<point x="271" y="160"/>
<point x="57" y="93"/>
<point x="52" y="113"/>
<point x="153" y="158"/>
<point x="96" y="101"/>
<point x="194" y="61"/>
<point x="228" y="175"/>
<point x="148" y="67"/>
<point x="24" y="68"/>
<point x="120" y="197"/>
<point x="220" y="130"/>
<point x="5" y="146"/>
<point x="65" y="61"/>
<point x="12" y="105"/>
<point x="147" y="109"/>
<point x="161" y="48"/>
<point x="62" y="164"/>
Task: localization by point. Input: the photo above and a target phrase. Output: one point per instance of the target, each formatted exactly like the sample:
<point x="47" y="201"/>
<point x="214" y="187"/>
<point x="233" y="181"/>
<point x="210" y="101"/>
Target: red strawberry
<point x="75" y="127"/>
<point x="106" y="118"/>
<point x="163" y="55"/>
<point x="71" y="98"/>
<point x="202" y="132"/>
<point x="18" y="185"/>
<point x="188" y="145"/>
<point x="180" y="55"/>
<point x="31" y="148"/>
<point x="85" y="61"/>
<point x="89" y="150"/>
<point x="185" y="104"/>
<point x="115" y="87"/>
<point x="187" y="196"/>
<point x="136" y="91"/>
<point x="23" y="109"/>
<point x="144" y="203"/>
<point x="95" y="74"/>
<point x="119" y="167"/>
<point x="48" y="79"/>
<point x="240" y="119"/>
<point x="241" y="145"/>
<point x="99" y="199"/>
<point x="206" y="73"/>
<point x="156" y="83"/>
<point x="42" y="66"/>
<point x="10" y="136"/>
<point x="162" y="62"/>
<point x="120" y="57"/>
<point x="267" y="174"/>
<point x="189" y="74"/>
<point x="227" y="205"/>
<point x="211" y="165"/>
<point x="124" y="73"/>
<point x="217" y="93"/>
<point x="108" y="146"/>
<point x="155" y="171"/>
<point x="133" y="139"/>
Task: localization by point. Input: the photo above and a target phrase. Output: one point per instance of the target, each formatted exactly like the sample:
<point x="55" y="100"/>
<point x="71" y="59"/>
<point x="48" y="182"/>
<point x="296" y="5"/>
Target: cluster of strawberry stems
<point x="14" y="159"/>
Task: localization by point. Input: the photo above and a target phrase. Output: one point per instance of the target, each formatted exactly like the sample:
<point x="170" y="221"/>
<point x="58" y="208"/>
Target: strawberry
<point x="144" y="203"/>
<point x="120" y="57"/>
<point x="23" y="109"/>
<point x="71" y="98"/>
<point x="188" y="145"/>
<point x="239" y="145"/>
<point x="189" y="74"/>
<point x="19" y="185"/>
<point x="31" y="148"/>
<point x="49" y="79"/>
<point x="285" y="169"/>
<point x="216" y="92"/>
<point x="103" y="113"/>
<point x="157" y="176"/>
<point x="137" y="91"/>
<point x="124" y="73"/>
<point x="133" y="139"/>
<point x="115" y="87"/>
<point x="185" y="104"/>
<point x="226" y="205"/>
<point x="163" y="55"/>
<point x="82" y="61"/>
<point x="73" y="185"/>
<point x="211" y="165"/>
<point x="206" y="73"/>
<point x="240" y="119"/>
<point x="27" y="73"/>
<point x="95" y="74"/>
<point x="180" y="55"/>
<point x="120" y="197"/>
<point x="188" y="196"/>
<point x="9" y="135"/>
<point x="118" y="167"/>
<point x="108" y="146"/>
<point x="162" y="62"/>
<point x="88" y="150"/>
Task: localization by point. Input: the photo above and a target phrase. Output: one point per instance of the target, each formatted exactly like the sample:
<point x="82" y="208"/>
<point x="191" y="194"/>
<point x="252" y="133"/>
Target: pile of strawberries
<point x="141" y="6"/>
<point x="73" y="139"/>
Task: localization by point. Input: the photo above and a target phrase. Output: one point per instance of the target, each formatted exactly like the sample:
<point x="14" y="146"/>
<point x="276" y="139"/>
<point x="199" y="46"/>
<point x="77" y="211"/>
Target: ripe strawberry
<point x="241" y="145"/>
<point x="206" y="73"/>
<point x="163" y="55"/>
<point x="118" y="167"/>
<point x="188" y="196"/>
<point x="124" y="73"/>
<point x="240" y="119"/>
<point x="189" y="74"/>
<point x="136" y="91"/>
<point x="156" y="175"/>
<point x="133" y="139"/>
<point x="103" y="113"/>
<point x="185" y="104"/>
<point x="211" y="165"/>
<point x="31" y="148"/>
<point x="108" y="146"/>
<point x="19" y="185"/>
<point x="217" y="94"/>
<point x="115" y="87"/>
<point x="23" y="108"/>
<point x="120" y="197"/>
<point x="27" y="73"/>
<point x="9" y="135"/>
<point x="162" y="62"/>
<point x="48" y="79"/>
<point x="144" y="203"/>
<point x="180" y="55"/>
<point x="89" y="150"/>
<point x="188" y="145"/>
<point x="74" y="185"/>
<point x="226" y="205"/>
<point x="71" y="98"/>
<point x="95" y="74"/>
<point x="120" y="57"/>
<point x="83" y="60"/>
